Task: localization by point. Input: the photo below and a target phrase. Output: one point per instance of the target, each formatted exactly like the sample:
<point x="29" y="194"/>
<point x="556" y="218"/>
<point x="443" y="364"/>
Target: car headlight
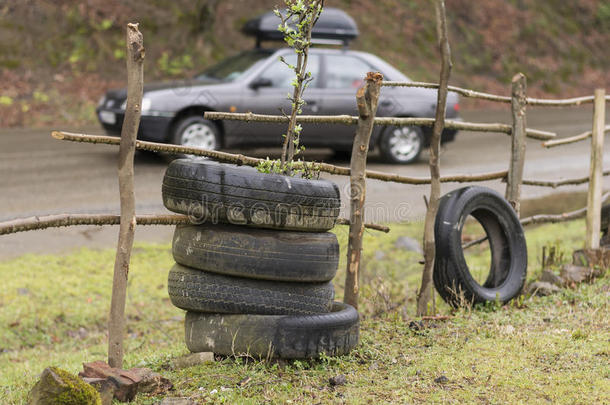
<point x="146" y="103"/>
<point x="101" y="101"/>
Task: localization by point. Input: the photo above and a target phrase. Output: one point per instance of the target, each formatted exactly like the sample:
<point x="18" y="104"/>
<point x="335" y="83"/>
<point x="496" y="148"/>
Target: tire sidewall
<point x="453" y="211"/>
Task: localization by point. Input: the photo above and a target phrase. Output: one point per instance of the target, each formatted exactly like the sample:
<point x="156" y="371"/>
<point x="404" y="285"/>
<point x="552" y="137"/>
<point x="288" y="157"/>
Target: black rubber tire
<point x="291" y="337"/>
<point x="415" y="135"/>
<point x="214" y="192"/>
<point x="257" y="253"/>
<point x="200" y="291"/>
<point x="452" y="277"/>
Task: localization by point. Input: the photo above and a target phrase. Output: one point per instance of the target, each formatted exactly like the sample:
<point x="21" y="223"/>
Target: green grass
<point x="53" y="312"/>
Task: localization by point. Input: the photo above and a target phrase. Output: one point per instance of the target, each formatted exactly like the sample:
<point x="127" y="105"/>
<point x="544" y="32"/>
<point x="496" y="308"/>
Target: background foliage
<point x="58" y="56"/>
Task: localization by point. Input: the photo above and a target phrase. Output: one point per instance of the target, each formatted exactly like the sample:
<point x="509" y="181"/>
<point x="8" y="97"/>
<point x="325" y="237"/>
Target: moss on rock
<point x="58" y="387"/>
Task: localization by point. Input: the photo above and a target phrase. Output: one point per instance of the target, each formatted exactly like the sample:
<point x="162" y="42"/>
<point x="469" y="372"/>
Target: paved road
<point x="41" y="175"/>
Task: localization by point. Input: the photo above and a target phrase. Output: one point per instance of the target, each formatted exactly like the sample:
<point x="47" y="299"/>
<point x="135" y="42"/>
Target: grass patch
<point x="54" y="311"/>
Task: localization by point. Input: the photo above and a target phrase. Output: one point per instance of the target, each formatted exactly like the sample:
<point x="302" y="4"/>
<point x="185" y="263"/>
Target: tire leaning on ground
<point x="215" y="192"/>
<point x="452" y="277"/>
<point x="293" y="337"/>
<point x="200" y="291"/>
<point x="257" y="253"/>
<point x="605" y="219"/>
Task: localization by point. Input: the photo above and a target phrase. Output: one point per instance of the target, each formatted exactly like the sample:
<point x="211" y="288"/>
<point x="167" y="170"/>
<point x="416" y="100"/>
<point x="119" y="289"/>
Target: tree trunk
<point x="135" y="79"/>
<point x="425" y="290"/>
<point x="517" y="157"/>
<point x="594" y="198"/>
<point x="367" y="98"/>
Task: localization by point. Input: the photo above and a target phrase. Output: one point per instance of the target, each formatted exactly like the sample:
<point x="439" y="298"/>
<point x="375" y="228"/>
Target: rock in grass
<point x="542" y="288"/>
<point x="337" y="380"/>
<point x="176" y="401"/>
<point x="550" y="277"/>
<point x="572" y="274"/>
<point x="57" y="386"/>
<point x="192" y="360"/>
<point x="441" y="380"/>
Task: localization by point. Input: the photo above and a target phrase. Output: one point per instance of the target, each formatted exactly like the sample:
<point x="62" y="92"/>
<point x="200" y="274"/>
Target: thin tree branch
<point x="250" y="161"/>
<point x="396" y="121"/>
<point x="576" y="101"/>
<point x="131" y="123"/>
<point x="62" y="220"/>
<point x="425" y="291"/>
<point x="572" y="139"/>
<point x="559" y="183"/>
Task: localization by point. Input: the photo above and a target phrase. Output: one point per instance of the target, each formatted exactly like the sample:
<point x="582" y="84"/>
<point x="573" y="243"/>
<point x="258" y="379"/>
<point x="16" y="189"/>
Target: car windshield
<point x="232" y="68"/>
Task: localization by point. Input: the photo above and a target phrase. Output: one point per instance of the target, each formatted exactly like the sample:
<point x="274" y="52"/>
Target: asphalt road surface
<point x="40" y="175"/>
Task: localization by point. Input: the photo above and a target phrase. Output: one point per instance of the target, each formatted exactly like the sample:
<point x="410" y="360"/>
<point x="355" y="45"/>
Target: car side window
<point x="345" y="72"/>
<point x="281" y="76"/>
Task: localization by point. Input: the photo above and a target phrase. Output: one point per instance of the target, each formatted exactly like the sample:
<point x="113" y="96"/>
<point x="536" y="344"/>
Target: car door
<point x="273" y="99"/>
<point x="344" y="75"/>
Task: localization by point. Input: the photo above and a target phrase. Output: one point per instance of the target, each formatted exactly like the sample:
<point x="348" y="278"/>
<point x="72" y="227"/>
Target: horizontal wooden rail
<point x="250" y="161"/>
<point x="398" y="121"/>
<point x="571" y="139"/>
<point x="61" y="220"/>
<point x="575" y="101"/>
<point x="559" y="183"/>
<point x="542" y="219"/>
<point x="551" y="219"/>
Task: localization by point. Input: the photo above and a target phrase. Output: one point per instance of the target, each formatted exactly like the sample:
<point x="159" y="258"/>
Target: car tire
<point x="264" y="336"/>
<point x="195" y="131"/>
<point x="401" y="145"/>
<point x="257" y="253"/>
<point x="214" y="192"/>
<point x="201" y="291"/>
<point x="452" y="277"/>
<point x="605" y="222"/>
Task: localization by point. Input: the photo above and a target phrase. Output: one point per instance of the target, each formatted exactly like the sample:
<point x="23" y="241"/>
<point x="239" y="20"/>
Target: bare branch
<point x="353" y="120"/>
<point x="568" y="102"/>
<point x="572" y="139"/>
<point x="131" y="123"/>
<point x="367" y="99"/>
<point x="551" y="219"/>
<point x="62" y="220"/>
<point x="250" y="161"/>
<point x="425" y="291"/>
<point x="559" y="183"/>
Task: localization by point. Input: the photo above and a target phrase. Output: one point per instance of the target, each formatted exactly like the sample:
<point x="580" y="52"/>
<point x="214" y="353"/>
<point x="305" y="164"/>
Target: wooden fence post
<point x="367" y="98"/>
<point x="517" y="156"/>
<point x="594" y="197"/>
<point x="425" y="290"/>
<point x="131" y="123"/>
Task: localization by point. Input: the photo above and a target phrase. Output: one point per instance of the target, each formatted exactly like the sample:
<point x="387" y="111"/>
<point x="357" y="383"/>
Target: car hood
<point x="155" y="86"/>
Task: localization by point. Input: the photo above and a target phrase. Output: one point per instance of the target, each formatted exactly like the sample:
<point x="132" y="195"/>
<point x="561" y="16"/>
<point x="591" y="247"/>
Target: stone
<point x="105" y="388"/>
<point x="177" y="401"/>
<point x="550" y="277"/>
<point x="441" y="380"/>
<point x="573" y="274"/>
<point x="57" y="386"/>
<point x="193" y="359"/>
<point x="599" y="258"/>
<point x="542" y="288"/>
<point x="409" y="244"/>
<point x="337" y="380"/>
<point x="151" y="382"/>
<point x="127" y="383"/>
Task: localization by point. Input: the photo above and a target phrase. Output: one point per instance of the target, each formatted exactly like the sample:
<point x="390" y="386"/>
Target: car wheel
<point x="200" y="291"/>
<point x="452" y="277"/>
<point x="401" y="144"/>
<point x="197" y="132"/>
<point x="266" y="336"/>
<point x="257" y="253"/>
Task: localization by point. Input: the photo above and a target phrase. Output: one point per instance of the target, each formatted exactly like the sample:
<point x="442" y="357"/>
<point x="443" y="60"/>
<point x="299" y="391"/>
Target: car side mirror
<point x="261" y="82"/>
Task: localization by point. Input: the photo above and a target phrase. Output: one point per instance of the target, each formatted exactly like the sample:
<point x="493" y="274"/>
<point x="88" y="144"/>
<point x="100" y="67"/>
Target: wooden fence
<point x="357" y="170"/>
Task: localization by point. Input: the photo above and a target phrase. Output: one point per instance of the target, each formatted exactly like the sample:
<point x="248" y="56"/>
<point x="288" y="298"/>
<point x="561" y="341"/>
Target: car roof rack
<point x="335" y="27"/>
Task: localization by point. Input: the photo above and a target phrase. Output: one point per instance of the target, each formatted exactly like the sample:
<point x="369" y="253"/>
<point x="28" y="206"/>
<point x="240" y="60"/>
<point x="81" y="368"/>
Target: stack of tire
<point x="254" y="269"/>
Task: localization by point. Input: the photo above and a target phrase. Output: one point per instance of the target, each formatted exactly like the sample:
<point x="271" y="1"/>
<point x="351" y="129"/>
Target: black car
<point x="257" y="81"/>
